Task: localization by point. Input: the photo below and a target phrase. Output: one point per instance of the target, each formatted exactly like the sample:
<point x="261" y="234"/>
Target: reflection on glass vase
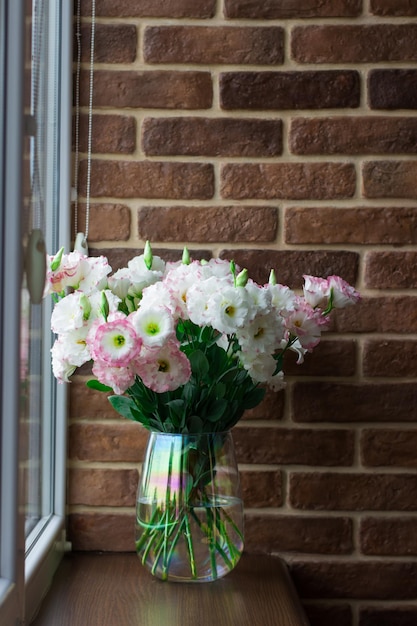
<point x="189" y="515"/>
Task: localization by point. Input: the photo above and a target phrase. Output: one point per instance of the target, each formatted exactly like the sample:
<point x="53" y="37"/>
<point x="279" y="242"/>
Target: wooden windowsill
<point x="114" y="589"/>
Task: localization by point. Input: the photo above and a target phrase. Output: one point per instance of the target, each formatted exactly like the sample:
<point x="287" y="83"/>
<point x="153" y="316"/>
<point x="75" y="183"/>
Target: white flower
<point x="179" y="280"/>
<point x="218" y="268"/>
<point x="260" y="298"/>
<point x="160" y="295"/>
<point x="119" y="283"/>
<point x="69" y="352"/>
<point x="228" y="309"/>
<point x="140" y="276"/>
<point x="96" y="270"/>
<point x="197" y="300"/>
<point x="154" y="325"/>
<point x="282" y="297"/>
<point x="96" y="301"/>
<point x="263" y="334"/>
<point x="68" y="313"/>
<point x="261" y="367"/>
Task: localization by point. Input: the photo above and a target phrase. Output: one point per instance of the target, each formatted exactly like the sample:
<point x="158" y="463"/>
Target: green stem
<point x="149" y="528"/>
<point x="190" y="546"/>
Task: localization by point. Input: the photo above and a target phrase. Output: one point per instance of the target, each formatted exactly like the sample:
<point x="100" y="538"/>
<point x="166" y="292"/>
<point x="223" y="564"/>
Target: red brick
<point x="354" y="402"/>
<point x="392" y="89"/>
<point x="196" y="136"/>
<point x="329" y="358"/>
<point x="395" y="8"/>
<point x="208" y="224"/>
<point x="361" y="226"/>
<point x="103" y="487"/>
<point x="354" y="44"/>
<point x="291" y="9"/>
<point x="110" y="134"/>
<point x="353" y="135"/>
<point x="214" y="45"/>
<point x="364" y="580"/>
<point x="333" y="491"/>
<point x="85" y="403"/>
<point x="156" y="89"/>
<point x="108" y="222"/>
<point x="295" y="181"/>
<point x="124" y="442"/>
<point x="294" y="445"/>
<point x="288" y="533"/>
<point x="151" y="8"/>
<point x="271" y="408"/>
<point x="390" y="357"/>
<point x="388" y="616"/>
<point x="261" y="488"/>
<point x="389" y="447"/>
<point x="149" y="179"/>
<point x="328" y="615"/>
<point x="106" y="532"/>
<point x="289" y="90"/>
<point x="389" y="537"/>
<point x="113" y="43"/>
<point x="119" y="257"/>
<point x="392" y="270"/>
<point x="290" y="265"/>
<point x="396" y="314"/>
<point x="390" y="179"/>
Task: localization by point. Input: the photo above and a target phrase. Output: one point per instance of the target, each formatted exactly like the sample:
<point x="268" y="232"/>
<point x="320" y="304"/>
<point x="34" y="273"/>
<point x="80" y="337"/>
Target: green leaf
<point x="126" y="407"/>
<point x="199" y="364"/>
<point x="177" y="412"/>
<point x="253" y="398"/>
<point x="95" y="384"/>
<point x="216" y="410"/>
<point x="220" y="390"/>
<point x="194" y="424"/>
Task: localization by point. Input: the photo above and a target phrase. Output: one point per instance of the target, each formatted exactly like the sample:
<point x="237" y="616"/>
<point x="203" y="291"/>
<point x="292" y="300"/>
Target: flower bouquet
<point x="184" y="349"/>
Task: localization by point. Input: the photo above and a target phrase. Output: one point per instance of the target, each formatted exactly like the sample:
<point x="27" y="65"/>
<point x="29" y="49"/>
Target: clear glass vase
<point x="189" y="510"/>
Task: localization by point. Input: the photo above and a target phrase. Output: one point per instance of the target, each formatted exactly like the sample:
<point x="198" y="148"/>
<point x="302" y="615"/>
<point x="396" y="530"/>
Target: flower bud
<point x="104" y="306"/>
<point x="233" y="270"/>
<point x="147" y="255"/>
<point x="86" y="306"/>
<point x="185" y="256"/>
<point x="56" y="261"/>
<point x="242" y="278"/>
<point x="272" y="278"/>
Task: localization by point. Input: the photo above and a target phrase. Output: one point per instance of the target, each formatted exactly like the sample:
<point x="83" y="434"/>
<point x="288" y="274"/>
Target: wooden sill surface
<point x="114" y="589"/>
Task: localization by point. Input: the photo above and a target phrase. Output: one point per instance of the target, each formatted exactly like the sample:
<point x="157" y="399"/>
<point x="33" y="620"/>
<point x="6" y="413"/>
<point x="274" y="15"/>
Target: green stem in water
<point x="189" y="538"/>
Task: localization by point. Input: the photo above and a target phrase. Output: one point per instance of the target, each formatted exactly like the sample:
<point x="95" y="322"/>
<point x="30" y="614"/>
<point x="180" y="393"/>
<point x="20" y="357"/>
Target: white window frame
<point x="26" y="572"/>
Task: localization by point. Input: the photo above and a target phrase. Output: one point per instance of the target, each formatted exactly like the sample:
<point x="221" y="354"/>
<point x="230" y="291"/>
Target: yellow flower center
<point x="163" y="366"/>
<point x="119" y="341"/>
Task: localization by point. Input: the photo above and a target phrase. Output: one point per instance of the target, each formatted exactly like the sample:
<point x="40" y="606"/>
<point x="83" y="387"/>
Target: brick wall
<point x="282" y="134"/>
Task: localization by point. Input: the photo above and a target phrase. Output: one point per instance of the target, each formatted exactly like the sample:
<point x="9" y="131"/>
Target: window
<point x="35" y="144"/>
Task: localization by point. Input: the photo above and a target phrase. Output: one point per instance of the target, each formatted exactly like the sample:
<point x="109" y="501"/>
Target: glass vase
<point x="189" y="512"/>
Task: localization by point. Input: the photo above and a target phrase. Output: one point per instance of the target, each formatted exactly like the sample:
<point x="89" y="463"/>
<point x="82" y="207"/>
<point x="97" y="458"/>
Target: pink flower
<point x="343" y="293"/>
<point x="163" y="369"/>
<point x="114" y="341"/>
<point x="118" y="378"/>
<point x="305" y="323"/>
<point x="77" y="272"/>
<point x="316" y="291"/>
